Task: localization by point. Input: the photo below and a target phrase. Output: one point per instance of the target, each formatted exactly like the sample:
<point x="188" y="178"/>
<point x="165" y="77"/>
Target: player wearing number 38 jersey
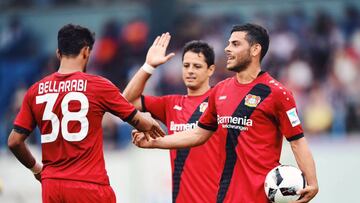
<point x="68" y="106"/>
<point x="69" y="119"/>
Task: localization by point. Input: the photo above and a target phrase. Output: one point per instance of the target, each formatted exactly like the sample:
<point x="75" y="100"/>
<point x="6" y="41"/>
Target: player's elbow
<point x="14" y="142"/>
<point x="126" y="95"/>
<point x="129" y="96"/>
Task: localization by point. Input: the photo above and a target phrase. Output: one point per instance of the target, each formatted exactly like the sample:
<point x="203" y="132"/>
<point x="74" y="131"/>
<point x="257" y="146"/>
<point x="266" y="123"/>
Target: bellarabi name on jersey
<point x="239" y="123"/>
<point x="62" y="86"/>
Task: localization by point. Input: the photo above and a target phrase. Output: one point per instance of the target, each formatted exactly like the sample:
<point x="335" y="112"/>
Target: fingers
<point x="169" y="56"/>
<point x="156" y="41"/>
<point x="166" y="41"/>
<point x="160" y="131"/>
<point x="138" y="138"/>
<point x="307" y="194"/>
<point x="154" y="133"/>
<point x="302" y="200"/>
<point x="134" y="133"/>
<point x="147" y="136"/>
<point x="38" y="177"/>
<point x="163" y="40"/>
<point x="156" y="130"/>
<point x="302" y="191"/>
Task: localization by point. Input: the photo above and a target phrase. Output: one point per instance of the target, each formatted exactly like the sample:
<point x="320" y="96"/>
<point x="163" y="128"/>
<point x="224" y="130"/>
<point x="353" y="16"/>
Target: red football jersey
<point x="68" y="108"/>
<point x="196" y="171"/>
<point x="253" y="117"/>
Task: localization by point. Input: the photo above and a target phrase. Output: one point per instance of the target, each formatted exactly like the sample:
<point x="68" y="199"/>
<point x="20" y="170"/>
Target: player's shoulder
<point x="34" y="86"/>
<point x="276" y="87"/>
<point x="97" y="79"/>
<point x="45" y="78"/>
<point x="223" y="83"/>
<point x="279" y="91"/>
<point x="173" y="96"/>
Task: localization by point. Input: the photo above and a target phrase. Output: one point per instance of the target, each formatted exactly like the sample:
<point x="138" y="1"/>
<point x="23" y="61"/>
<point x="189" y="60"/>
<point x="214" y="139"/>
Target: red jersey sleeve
<point x="114" y="102"/>
<point x="156" y="106"/>
<point x="25" y="118"/>
<point x="208" y="119"/>
<point x="290" y="125"/>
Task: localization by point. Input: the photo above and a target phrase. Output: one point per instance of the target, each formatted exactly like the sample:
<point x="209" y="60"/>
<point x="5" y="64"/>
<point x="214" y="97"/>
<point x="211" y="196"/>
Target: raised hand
<point x="156" y="54"/>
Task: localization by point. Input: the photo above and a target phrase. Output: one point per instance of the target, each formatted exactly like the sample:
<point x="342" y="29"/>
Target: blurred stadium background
<point x="314" y="50"/>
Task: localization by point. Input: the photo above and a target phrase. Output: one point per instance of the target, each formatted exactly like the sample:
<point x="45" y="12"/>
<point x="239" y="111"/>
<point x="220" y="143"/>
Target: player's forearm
<point x="136" y="86"/>
<point x="179" y="140"/>
<point x="142" y="122"/>
<point x="305" y="160"/>
<point x="20" y="150"/>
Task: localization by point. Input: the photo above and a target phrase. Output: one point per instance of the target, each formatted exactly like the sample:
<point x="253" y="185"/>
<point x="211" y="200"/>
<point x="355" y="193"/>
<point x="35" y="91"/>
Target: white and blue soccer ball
<point x="282" y="183"/>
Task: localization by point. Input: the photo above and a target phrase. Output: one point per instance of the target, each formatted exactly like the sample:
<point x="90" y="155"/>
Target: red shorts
<point x="68" y="191"/>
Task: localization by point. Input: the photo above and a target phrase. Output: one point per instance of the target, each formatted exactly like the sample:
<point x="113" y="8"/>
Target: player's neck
<point x="70" y="66"/>
<point x="197" y="92"/>
<point x="249" y="74"/>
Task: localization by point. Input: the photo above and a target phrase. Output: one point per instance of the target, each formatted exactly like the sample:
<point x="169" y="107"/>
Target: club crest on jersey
<point x="252" y="100"/>
<point x="203" y="106"/>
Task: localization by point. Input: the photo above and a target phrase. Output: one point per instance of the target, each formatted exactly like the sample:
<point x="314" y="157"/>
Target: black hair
<point x="255" y="34"/>
<point x="198" y="46"/>
<point x="72" y="38"/>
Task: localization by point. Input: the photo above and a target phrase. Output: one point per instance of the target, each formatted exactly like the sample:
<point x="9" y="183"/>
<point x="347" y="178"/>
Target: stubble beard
<point x="242" y="65"/>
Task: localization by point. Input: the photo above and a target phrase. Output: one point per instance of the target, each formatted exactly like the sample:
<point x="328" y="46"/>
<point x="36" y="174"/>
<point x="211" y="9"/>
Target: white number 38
<point x="80" y="116"/>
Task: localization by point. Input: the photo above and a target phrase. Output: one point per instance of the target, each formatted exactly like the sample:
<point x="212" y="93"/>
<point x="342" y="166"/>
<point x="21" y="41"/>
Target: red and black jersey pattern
<point x="181" y="156"/>
<point x="232" y="139"/>
<point x="196" y="171"/>
<point x="253" y="118"/>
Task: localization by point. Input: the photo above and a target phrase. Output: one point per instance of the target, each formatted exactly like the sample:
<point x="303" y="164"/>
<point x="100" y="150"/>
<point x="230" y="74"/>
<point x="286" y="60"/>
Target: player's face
<point x="238" y="52"/>
<point x="195" y="70"/>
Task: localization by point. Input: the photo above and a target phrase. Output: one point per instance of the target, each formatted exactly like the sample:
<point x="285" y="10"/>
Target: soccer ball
<point x="282" y="183"/>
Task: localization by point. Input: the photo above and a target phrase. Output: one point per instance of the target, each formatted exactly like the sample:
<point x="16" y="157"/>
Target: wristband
<point x="148" y="68"/>
<point x="37" y="168"/>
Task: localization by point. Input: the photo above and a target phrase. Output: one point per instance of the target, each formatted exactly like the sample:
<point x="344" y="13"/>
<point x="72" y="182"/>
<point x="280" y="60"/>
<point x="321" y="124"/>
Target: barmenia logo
<point x="178" y="127"/>
<point x="239" y="123"/>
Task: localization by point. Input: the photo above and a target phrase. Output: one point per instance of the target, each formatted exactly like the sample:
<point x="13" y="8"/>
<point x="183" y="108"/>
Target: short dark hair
<point x="255" y="34"/>
<point x="198" y="46"/>
<point x="72" y="38"/>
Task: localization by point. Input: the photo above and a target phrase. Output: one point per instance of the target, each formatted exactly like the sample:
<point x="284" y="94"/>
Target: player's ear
<point x="255" y="50"/>
<point x="58" y="55"/>
<point x="211" y="70"/>
<point x="85" y="52"/>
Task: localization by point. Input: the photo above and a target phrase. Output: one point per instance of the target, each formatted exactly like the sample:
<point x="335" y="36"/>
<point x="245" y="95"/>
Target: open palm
<point x="156" y="54"/>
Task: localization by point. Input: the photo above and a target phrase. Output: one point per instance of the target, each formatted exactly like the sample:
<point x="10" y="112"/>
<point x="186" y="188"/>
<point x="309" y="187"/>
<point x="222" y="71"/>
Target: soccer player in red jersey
<point x="68" y="107"/>
<point x="196" y="171"/>
<point x="253" y="111"/>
